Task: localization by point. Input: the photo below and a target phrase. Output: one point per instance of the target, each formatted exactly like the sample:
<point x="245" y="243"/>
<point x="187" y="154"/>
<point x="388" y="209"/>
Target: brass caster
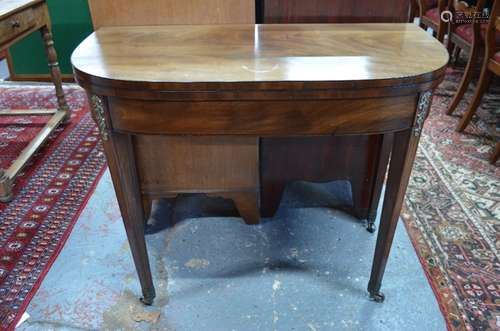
<point x="377" y="296"/>
<point x="148" y="301"/>
<point x="148" y="296"/>
<point x="370" y="220"/>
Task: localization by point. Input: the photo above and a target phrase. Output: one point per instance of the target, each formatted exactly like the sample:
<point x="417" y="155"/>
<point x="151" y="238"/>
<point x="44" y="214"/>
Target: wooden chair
<point x="469" y="38"/>
<point x="430" y="16"/>
<point x="457" y="41"/>
<point x="491" y="65"/>
<point x="414" y="11"/>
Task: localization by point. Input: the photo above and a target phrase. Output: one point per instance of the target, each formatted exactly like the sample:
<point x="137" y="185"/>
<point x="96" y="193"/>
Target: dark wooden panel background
<point x="332" y="11"/>
<point x="360" y="159"/>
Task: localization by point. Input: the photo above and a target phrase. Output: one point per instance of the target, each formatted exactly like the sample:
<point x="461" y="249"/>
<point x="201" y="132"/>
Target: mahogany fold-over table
<point x="181" y="109"/>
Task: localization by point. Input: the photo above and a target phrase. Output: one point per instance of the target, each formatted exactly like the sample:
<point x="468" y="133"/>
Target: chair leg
<point x="451" y="47"/>
<point x="413" y="11"/>
<point x="456" y="55"/>
<point x="441" y="33"/>
<point x="476" y="99"/>
<point x="496" y="154"/>
<point x="466" y="79"/>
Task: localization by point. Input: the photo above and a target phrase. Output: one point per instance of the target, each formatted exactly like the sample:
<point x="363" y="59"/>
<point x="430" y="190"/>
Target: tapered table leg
<point x="383" y="160"/>
<point x="55" y="72"/>
<point x="120" y="156"/>
<point x="403" y="153"/>
<point x="132" y="210"/>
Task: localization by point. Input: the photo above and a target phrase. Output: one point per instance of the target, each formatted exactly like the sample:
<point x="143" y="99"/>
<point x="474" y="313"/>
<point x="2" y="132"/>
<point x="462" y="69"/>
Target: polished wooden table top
<point x="221" y="54"/>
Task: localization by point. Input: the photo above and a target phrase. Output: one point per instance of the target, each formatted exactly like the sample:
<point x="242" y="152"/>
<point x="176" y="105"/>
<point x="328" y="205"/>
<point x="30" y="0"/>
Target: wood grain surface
<point x="269" y="118"/>
<point x="162" y="12"/>
<point x="197" y="164"/>
<point x="259" y="53"/>
<point x="334" y="11"/>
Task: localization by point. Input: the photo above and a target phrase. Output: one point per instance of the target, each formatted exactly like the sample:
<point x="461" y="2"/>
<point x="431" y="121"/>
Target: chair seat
<point x="496" y="57"/>
<point x="434" y="15"/>
<point x="466" y="32"/>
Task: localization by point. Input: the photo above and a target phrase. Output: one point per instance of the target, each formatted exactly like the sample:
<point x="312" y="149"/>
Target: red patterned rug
<point x="452" y="210"/>
<point x="48" y="196"/>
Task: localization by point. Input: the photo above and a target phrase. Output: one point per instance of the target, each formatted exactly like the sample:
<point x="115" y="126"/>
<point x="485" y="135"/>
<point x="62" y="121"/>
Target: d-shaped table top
<point x="208" y="57"/>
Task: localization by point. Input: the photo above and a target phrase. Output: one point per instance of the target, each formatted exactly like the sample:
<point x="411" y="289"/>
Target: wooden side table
<point x="19" y="18"/>
<point x="182" y="109"/>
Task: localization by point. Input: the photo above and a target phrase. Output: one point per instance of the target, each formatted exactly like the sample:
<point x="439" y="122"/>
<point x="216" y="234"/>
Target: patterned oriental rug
<point x="452" y="211"/>
<point x="48" y="196"/>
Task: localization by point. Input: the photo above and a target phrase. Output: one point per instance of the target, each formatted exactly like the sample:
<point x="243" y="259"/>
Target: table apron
<point x="263" y="118"/>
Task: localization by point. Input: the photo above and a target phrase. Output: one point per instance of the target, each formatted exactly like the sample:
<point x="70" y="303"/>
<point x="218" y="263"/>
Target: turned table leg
<point x="7" y="176"/>
<point x="403" y="153"/>
<point x="55" y="72"/>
